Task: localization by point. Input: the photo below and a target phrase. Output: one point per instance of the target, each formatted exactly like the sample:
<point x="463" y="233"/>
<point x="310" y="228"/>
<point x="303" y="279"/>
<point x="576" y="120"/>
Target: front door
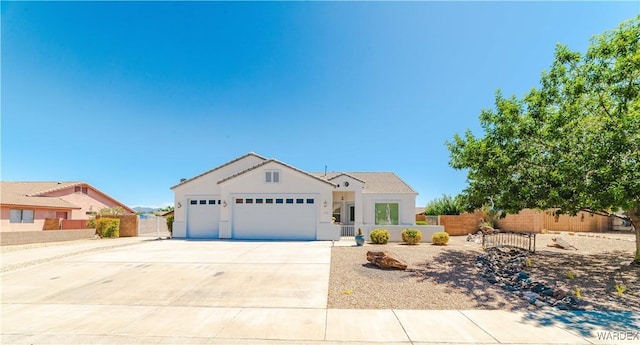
<point x="351" y="217"/>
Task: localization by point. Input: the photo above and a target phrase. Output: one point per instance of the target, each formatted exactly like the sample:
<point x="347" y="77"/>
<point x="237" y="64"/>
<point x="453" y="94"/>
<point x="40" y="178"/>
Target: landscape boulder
<point x="386" y="259"/>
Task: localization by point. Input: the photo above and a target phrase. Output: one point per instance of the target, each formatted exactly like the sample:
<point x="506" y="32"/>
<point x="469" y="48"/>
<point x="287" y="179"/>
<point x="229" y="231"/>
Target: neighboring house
<point x="166" y="214"/>
<point x="253" y="197"/>
<point x="25" y="205"/>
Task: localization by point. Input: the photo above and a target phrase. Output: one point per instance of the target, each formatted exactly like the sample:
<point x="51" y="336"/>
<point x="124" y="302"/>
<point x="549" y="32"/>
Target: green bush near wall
<point x="411" y="236"/>
<point x="108" y="227"/>
<point x="170" y="224"/>
<point x="379" y="236"/>
<point x="421" y="222"/>
<point x="440" y="238"/>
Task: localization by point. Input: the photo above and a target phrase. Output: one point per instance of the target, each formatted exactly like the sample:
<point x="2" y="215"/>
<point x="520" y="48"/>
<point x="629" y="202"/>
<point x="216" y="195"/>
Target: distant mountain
<point x="145" y="209"/>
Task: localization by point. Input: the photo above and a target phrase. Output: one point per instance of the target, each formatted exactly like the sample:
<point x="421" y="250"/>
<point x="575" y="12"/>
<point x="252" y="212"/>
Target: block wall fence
<point x="527" y="220"/>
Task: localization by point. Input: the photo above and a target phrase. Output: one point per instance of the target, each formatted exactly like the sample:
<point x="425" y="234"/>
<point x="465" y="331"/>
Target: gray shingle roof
<point x="375" y="182"/>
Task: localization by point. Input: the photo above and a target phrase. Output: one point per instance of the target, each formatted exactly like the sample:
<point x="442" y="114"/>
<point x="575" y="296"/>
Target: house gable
<point x="89" y="198"/>
<point x="224" y="170"/>
<point x="273" y="164"/>
<point x="347" y="182"/>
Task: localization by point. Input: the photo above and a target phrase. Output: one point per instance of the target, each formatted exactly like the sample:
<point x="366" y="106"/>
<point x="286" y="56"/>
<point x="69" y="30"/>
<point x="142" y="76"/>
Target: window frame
<point x="22" y="216"/>
<point x="272" y="176"/>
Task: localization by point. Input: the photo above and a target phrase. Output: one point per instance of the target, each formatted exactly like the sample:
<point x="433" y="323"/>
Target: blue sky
<point x="131" y="97"/>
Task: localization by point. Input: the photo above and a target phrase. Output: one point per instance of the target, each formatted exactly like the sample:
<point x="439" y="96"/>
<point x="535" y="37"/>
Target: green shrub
<point x="440" y="238"/>
<point x="379" y="236"/>
<point x="421" y="222"/>
<point x="91" y="223"/>
<point x="170" y="224"/>
<point x="411" y="236"/>
<point x="447" y="205"/>
<point x="108" y="227"/>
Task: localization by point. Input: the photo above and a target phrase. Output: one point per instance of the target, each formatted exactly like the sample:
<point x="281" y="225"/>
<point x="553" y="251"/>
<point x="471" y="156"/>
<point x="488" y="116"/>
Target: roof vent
<point x="183" y="179"/>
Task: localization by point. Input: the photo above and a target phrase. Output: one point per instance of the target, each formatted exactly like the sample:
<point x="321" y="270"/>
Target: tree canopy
<point x="571" y="144"/>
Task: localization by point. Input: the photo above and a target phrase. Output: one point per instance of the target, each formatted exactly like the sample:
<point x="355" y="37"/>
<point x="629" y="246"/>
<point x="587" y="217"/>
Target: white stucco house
<point x="253" y="197"/>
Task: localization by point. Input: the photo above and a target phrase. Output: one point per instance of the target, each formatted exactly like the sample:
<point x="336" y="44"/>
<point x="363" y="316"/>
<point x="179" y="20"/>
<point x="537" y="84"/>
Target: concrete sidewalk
<point x="83" y="324"/>
<point x="141" y="291"/>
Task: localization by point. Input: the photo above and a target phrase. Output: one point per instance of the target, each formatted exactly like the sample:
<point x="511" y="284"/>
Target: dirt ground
<point x="446" y="277"/>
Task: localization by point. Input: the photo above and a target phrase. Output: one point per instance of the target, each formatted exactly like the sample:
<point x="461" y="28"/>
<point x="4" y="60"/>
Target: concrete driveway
<point x="170" y="288"/>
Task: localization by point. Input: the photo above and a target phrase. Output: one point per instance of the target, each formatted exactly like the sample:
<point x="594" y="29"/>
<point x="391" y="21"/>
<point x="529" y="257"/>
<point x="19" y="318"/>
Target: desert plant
<point x="421" y="222"/>
<point x="359" y="232"/>
<point x="440" y="238"/>
<point x="111" y="211"/>
<point x="91" y="223"/>
<point x="411" y="236"/>
<point x="379" y="236"/>
<point x="170" y="224"/>
<point x="620" y="289"/>
<point x="446" y="205"/>
<point x="571" y="275"/>
<point x="108" y="227"/>
<point x="577" y="292"/>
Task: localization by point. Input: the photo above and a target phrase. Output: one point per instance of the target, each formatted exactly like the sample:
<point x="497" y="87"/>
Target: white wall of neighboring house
<point x="203" y="187"/>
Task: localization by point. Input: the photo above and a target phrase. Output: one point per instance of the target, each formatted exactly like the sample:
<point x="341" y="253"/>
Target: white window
<point x="272" y="176"/>
<point x="20" y="216"/>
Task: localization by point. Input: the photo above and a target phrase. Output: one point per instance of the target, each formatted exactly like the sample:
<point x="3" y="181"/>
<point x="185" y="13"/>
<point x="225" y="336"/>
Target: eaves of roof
<point x="280" y="163"/>
<point x="219" y="167"/>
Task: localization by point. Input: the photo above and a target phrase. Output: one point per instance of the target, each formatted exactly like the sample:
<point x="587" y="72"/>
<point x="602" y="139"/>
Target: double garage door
<point x="275" y="217"/>
<point x="263" y="217"/>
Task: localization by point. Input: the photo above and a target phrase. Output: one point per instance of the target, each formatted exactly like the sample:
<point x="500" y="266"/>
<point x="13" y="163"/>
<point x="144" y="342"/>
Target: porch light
<point x="325" y="203"/>
<point x="224" y="204"/>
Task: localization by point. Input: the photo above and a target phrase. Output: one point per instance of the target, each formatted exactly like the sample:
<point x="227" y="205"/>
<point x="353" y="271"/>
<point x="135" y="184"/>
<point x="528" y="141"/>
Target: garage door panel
<point x="278" y="221"/>
<point x="203" y="217"/>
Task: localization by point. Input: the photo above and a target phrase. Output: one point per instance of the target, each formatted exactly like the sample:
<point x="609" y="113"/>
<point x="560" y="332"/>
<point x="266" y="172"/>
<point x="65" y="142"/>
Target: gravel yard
<point x="446" y="277"/>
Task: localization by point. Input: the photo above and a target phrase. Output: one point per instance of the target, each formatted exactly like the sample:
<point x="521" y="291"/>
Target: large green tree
<point x="571" y="144"/>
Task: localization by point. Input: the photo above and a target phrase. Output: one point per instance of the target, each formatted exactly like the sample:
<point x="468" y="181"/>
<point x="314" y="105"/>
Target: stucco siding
<point x="92" y="201"/>
<point x="203" y="185"/>
<point x="298" y="221"/>
<point x="39" y="216"/>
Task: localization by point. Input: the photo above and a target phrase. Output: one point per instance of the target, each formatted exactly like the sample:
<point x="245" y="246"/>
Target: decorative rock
<point x="537" y="288"/>
<point x="386" y="259"/>
<point x="540" y="304"/>
<point x="559" y="294"/>
<point x="506" y="269"/>
<point x="547" y="292"/>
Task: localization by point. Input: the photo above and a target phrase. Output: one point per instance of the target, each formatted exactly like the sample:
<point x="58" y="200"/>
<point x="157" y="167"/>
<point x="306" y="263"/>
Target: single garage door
<point x="275" y="217"/>
<point x="203" y="217"/>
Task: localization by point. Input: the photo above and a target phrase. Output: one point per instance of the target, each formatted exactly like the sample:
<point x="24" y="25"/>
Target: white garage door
<point x="203" y="217"/>
<point x="275" y="217"/>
